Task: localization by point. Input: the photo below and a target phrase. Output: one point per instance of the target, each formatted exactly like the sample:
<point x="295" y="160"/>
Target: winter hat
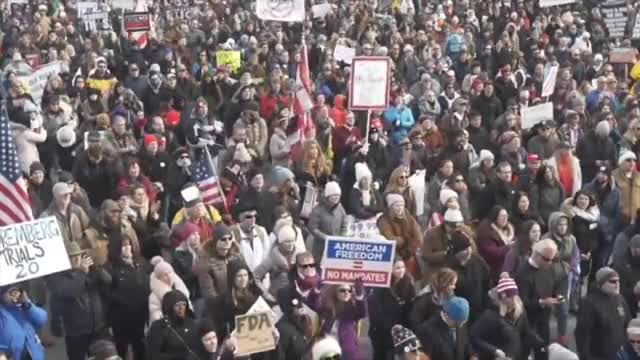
<point x="102" y="350"/>
<point x="154" y="68"/>
<point x="36" y="166"/>
<point x="507" y="286"/>
<point x="446" y="194"/>
<point x="172" y="118"/>
<point x="61" y="188"/>
<point x="241" y="154"/>
<point x="183" y="232"/>
<point x="626" y="155"/>
<point x="603" y="128"/>
<point x="605" y="274"/>
<point x="150" y="139"/>
<point x="332" y="188"/>
<point x="160" y="266"/>
<point x="221" y="230"/>
<point x="362" y="171"/>
<point x="559" y="352"/>
<point x="486" y="155"/>
<point x="456" y="308"/>
<point x="286" y="233"/>
<point x="65" y="136"/>
<point x="533" y="158"/>
<point x="404" y="340"/>
<point x="453" y="216"/>
<point x="325" y="348"/>
<point x="459" y="242"/>
<point x="634" y="327"/>
<point x="393" y="198"/>
<point x="634" y="243"/>
<point x="508" y="137"/>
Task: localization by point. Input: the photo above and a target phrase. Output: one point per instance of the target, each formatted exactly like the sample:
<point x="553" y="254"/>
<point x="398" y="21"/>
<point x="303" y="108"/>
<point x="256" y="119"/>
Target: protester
<point x="437" y="334"/>
<point x="20" y="319"/>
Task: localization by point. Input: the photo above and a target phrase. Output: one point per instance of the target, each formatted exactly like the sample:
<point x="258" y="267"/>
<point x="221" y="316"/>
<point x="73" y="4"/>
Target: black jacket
<point x="535" y="284"/>
<point x="359" y="210"/>
<point x="591" y="148"/>
<point x="293" y="343"/>
<point x="437" y="340"/>
<point x="474" y="283"/>
<point x="76" y="304"/>
<point x="601" y="326"/>
<point x="388" y="307"/>
<point x="422" y="309"/>
<point x="628" y="269"/>
<point x="171" y="338"/>
<point x="99" y="180"/>
<point x="492" y="331"/>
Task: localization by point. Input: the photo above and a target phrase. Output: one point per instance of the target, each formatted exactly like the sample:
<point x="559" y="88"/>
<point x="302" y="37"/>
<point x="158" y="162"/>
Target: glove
<point x="358" y="287"/>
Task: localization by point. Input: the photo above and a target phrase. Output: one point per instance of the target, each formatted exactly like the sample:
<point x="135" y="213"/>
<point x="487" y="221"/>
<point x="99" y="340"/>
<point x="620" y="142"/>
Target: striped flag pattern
<point x="15" y="206"/>
<point x="207" y="181"/>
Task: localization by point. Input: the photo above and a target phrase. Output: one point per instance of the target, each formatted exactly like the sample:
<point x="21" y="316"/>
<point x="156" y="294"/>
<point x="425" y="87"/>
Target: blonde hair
<point x="518" y="308"/>
<point x="443" y="279"/>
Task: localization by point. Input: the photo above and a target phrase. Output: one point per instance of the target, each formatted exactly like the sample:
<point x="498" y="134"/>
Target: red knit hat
<point x="183" y="232"/>
<point x="149" y="139"/>
<point x="172" y="118"/>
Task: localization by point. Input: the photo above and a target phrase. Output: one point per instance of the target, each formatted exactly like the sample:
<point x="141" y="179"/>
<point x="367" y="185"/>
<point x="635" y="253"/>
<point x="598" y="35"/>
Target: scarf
<point x="505" y="234"/>
<point x="591" y="214"/>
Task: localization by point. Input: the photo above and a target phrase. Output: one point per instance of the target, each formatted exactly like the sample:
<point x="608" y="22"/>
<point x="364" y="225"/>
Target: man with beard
<point x="91" y="108"/>
<point x="110" y="224"/>
<point x="173" y="336"/>
<point x="156" y="95"/>
<point x="295" y="326"/>
<point x="456" y="152"/>
<point x="629" y="270"/>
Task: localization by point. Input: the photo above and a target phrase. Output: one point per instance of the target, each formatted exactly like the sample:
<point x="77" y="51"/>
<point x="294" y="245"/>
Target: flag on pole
<point x="303" y="102"/>
<point x="280" y="10"/>
<point x="15" y="206"/>
<point x="207" y="181"/>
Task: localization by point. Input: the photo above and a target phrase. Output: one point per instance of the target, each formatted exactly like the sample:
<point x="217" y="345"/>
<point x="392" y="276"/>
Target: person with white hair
<point x="631" y="350"/>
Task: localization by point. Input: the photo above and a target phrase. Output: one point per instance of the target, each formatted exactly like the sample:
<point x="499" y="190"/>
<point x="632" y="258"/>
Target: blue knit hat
<point x="457" y="309"/>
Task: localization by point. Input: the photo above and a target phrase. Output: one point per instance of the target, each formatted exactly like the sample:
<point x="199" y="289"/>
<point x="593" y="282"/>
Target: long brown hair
<point x="316" y="166"/>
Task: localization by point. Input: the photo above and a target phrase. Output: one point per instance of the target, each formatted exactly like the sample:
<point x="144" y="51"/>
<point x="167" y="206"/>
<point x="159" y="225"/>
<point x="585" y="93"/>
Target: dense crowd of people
<point x="190" y="189"/>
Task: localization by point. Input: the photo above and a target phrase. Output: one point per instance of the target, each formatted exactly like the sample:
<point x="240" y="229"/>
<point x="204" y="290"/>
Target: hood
<point x="170" y="299"/>
<point x="553" y="221"/>
<point x="339" y="102"/>
<point x="234" y="267"/>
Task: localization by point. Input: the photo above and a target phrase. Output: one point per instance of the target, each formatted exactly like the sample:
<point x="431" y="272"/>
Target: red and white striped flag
<point x="15" y="206"/>
<point x="303" y="96"/>
<point x="207" y="181"/>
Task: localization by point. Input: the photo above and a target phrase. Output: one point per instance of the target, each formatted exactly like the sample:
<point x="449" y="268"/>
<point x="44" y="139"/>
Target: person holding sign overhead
<point x="19" y="321"/>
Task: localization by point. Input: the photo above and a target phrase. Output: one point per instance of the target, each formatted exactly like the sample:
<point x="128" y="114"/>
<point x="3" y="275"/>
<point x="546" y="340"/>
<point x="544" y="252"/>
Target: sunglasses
<point x="307" y="266"/>
<point x="226" y="238"/>
<point x="344" y="291"/>
<point x="460" y="180"/>
<point x="547" y="259"/>
<point x="634" y="341"/>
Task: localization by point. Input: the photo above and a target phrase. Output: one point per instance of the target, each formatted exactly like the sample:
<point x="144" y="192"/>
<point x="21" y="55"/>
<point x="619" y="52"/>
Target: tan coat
<point x="404" y="231"/>
<point x="435" y="246"/>
<point x="98" y="241"/>
<point x="73" y="225"/>
<point x="212" y="269"/>
<point x="630" y="190"/>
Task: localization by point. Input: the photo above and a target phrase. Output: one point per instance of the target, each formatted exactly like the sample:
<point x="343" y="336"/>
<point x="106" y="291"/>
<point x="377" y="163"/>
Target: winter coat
<point x="99" y="180"/>
<point x="73" y="224"/>
<point x="535" y="284"/>
<point x="40" y="196"/>
<point x="99" y="235"/>
<point x="212" y="269"/>
<point x="546" y="198"/>
<point x="388" y="307"/>
<point x="170" y="338"/>
<point x="361" y="211"/>
<point x="277" y="266"/>
<point x="489" y="107"/>
<point x="255" y="246"/>
<point x="158" y="291"/>
<point x="628" y="268"/>
<point x="404" y="231"/>
<point x="18" y="330"/>
<point x="584" y="226"/>
<point x="601" y="325"/>
<point x="492" y="247"/>
<point x="279" y="150"/>
<point x="609" y="201"/>
<point x="591" y="148"/>
<point x="435" y="247"/>
<point x="435" y="337"/>
<point x="128" y="293"/>
<point x="400" y="121"/>
<point x="567" y="260"/>
<point x="347" y="328"/>
<point x="185" y="266"/>
<point x="257" y="136"/>
<point x="630" y="190"/>
<point x="293" y="343"/>
<point x="26" y="148"/>
<point x="126" y="183"/>
<point x="76" y="304"/>
<point x="325" y="221"/>
<point x="577" y="172"/>
<point x="492" y="331"/>
<point x="498" y="192"/>
<point x="474" y="283"/>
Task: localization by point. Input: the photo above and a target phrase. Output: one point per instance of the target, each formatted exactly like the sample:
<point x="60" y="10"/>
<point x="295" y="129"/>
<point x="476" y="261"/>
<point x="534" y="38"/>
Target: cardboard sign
<point x="370" y="82"/>
<point x="232" y="58"/>
<point x="280" y="10"/>
<point x="38" y="79"/>
<point x="344" y="54"/>
<point x="31" y="250"/>
<point x="549" y="81"/>
<point x="622" y="56"/>
<point x="346" y="259"/>
<point x="138" y="21"/>
<point x="548" y="3"/>
<point x="533" y="115"/>
<point x="254" y="333"/>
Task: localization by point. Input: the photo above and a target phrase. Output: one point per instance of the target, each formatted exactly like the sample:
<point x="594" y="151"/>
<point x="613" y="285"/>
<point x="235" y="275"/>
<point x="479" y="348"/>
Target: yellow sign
<point x="232" y="58"/>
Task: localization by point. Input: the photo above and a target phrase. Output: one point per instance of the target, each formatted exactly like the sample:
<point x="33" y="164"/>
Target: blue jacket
<point x="627" y="353"/>
<point x="400" y="121"/>
<point x="18" y="326"/>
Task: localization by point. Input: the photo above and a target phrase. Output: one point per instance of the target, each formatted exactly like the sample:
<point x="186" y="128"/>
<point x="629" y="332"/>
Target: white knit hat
<point x="626" y="154"/>
<point x="486" y="155"/>
<point x="393" y="198"/>
<point x="362" y="171"/>
<point x="446" y="194"/>
<point x="453" y="216"/>
<point x="325" y="347"/>
<point x="160" y="266"/>
<point x="332" y="188"/>
<point x="634" y="327"/>
<point x="286" y="233"/>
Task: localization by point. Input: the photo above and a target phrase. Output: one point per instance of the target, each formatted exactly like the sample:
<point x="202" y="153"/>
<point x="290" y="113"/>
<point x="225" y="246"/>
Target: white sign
<point x="370" y="77"/>
<point x="38" y="79"/>
<point x="123" y="4"/>
<point x="533" y="115"/>
<point x="417" y="183"/>
<point x="364" y="229"/>
<point x="548" y="3"/>
<point x="31" y="250"/>
<point x="280" y="10"/>
<point x="321" y="10"/>
<point x="549" y="81"/>
<point x="344" y="54"/>
<point x="345" y="260"/>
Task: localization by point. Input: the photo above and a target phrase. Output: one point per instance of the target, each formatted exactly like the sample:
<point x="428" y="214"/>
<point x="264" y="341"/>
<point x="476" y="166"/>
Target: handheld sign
<point x="31" y="250"/>
<point x="347" y="259"/>
<point x="370" y="82"/>
<point x="533" y="115"/>
<point x="254" y="333"/>
<point x="138" y="21"/>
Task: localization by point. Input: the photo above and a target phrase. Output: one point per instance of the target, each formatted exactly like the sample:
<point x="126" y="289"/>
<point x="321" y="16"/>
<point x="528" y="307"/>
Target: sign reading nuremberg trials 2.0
<point x="31" y="250"/>
<point x="347" y="259"/>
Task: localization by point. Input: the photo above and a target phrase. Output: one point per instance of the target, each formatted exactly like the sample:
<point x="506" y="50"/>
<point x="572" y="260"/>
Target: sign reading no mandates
<point x="31" y="250"/>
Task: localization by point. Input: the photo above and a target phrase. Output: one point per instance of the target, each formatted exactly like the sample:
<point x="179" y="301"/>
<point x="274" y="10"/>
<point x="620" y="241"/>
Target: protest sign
<point x="548" y="3"/>
<point x="123" y="4"/>
<point x="31" y="250"/>
<point x="138" y="21"/>
<point x="280" y="10"/>
<point x="254" y="333"/>
<point x="549" y="81"/>
<point x="363" y="229"/>
<point x="344" y="54"/>
<point x="321" y="10"/>
<point x="622" y="56"/>
<point x="93" y="16"/>
<point x="370" y="81"/>
<point x="232" y="58"/>
<point x="38" y="79"/>
<point x="618" y="20"/>
<point x="346" y="259"/>
<point x="533" y="115"/>
<point x="418" y="183"/>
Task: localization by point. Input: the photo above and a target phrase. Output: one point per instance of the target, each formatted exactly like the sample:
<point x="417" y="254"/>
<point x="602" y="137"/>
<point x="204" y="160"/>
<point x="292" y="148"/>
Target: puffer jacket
<point x="18" y="326"/>
<point x="26" y="144"/>
<point x="212" y="269"/>
<point x="567" y="260"/>
<point x="73" y="224"/>
<point x="277" y="266"/>
<point x="158" y="290"/>
<point x="325" y="221"/>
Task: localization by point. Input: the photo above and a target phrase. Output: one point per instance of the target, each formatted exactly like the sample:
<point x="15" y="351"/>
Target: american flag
<point x="303" y="101"/>
<point x="207" y="181"/>
<point x="14" y="200"/>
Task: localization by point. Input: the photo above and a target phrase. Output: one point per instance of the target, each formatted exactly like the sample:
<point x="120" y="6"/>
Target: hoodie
<point x="567" y="261"/>
<point x="171" y="337"/>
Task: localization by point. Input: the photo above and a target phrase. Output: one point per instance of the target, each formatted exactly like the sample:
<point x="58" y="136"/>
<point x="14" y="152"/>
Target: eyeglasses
<point x="344" y="291"/>
<point x="403" y="177"/>
<point x="634" y="342"/>
<point x="307" y="266"/>
<point x="331" y="357"/>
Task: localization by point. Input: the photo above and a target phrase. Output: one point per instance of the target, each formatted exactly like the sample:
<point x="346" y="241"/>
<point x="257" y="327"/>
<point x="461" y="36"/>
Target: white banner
<point x="31" y="250"/>
<point x="123" y="4"/>
<point x="344" y="54"/>
<point x="364" y="229"/>
<point x="280" y="10"/>
<point x="547" y="3"/>
<point x="370" y="76"/>
<point x="549" y="81"/>
<point x="38" y="79"/>
<point x="533" y="115"/>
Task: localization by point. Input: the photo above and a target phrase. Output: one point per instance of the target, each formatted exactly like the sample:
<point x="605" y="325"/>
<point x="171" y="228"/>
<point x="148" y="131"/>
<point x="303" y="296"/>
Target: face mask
<point x="183" y="163"/>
